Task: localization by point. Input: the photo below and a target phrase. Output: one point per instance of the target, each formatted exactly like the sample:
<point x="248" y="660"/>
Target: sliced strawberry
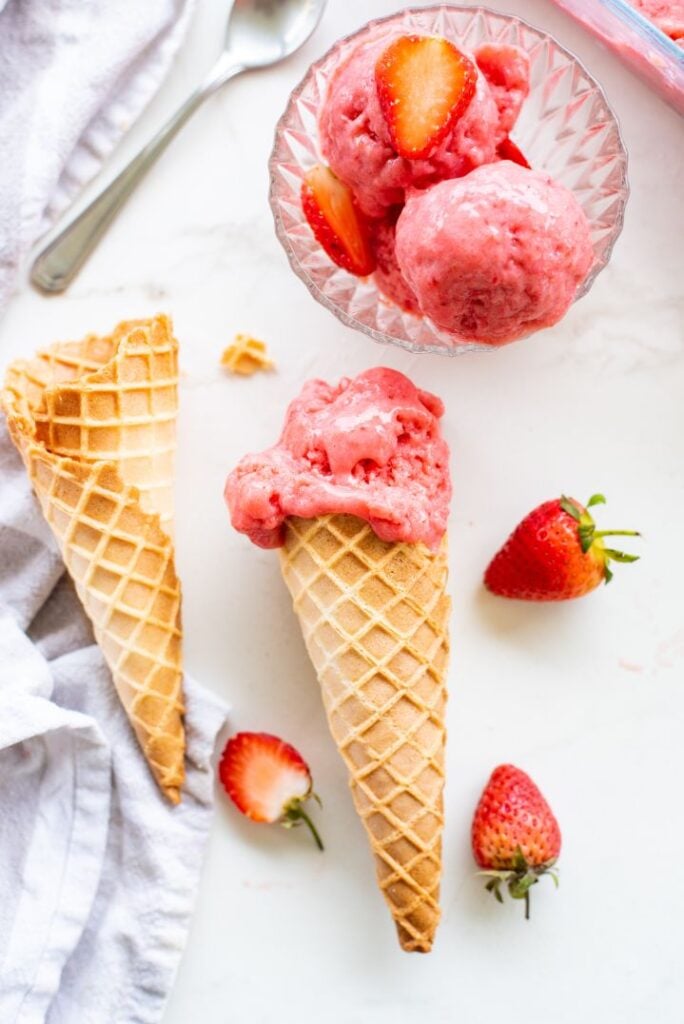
<point x="507" y="150"/>
<point x="267" y="779"/>
<point x="424" y="85"/>
<point x="336" y="222"/>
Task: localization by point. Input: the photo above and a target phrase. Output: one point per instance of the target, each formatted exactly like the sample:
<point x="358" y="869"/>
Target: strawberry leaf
<point x="494" y="886"/>
<point x="586" y="536"/>
<point x="620" y="556"/>
<point x="596" y="499"/>
<point x="519" y="862"/>
<point x="571" y="508"/>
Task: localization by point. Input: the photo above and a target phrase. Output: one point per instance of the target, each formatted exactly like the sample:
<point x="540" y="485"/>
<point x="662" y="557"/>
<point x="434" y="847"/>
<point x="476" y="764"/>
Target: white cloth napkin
<point x="74" y="75"/>
<point x="97" y="872"/>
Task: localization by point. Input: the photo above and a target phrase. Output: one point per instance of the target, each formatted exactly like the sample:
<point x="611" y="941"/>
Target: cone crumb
<point x="247" y="355"/>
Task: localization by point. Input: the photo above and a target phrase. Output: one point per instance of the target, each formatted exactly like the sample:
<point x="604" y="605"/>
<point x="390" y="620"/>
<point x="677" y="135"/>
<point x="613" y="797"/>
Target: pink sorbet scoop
<point x="495" y="255"/>
<point x="370" y="446"/>
<point x="355" y="139"/>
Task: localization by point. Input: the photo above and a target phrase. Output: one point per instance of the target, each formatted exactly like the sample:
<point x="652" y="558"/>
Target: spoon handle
<point x="57" y="265"/>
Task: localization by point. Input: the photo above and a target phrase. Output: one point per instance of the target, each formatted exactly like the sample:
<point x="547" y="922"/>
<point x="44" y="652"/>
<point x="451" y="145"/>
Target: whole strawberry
<point x="555" y="553"/>
<point x="515" y="836"/>
<point x="268" y="780"/>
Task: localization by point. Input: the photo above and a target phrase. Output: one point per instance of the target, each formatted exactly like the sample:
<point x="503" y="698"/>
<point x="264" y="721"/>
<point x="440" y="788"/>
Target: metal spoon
<point x="259" y="33"/>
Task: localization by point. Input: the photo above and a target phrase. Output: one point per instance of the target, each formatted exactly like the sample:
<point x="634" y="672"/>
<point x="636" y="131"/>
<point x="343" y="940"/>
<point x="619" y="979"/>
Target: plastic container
<point x="652" y="55"/>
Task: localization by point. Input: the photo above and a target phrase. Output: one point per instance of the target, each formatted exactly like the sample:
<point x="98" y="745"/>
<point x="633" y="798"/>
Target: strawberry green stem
<point x="616" y="533"/>
<point x="294" y="813"/>
<point x="518" y="879"/>
<point x="314" y="832"/>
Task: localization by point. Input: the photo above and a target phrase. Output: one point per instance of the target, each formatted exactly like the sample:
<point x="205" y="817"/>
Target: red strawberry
<point x="555" y="553"/>
<point x="507" y="71"/>
<point x="424" y="85"/>
<point x="515" y="836"/>
<point x="504" y="67"/>
<point x="336" y="222"/>
<point x="507" y="150"/>
<point x="267" y="780"/>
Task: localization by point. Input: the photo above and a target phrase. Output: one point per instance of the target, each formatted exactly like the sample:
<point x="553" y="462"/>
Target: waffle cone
<point x="374" y="617"/>
<point x="94" y="422"/>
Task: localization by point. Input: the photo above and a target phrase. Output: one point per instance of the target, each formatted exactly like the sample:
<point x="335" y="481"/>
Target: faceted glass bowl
<point x="565" y="128"/>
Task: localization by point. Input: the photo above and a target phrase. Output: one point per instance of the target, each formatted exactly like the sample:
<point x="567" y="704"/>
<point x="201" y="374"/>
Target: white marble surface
<point x="586" y="696"/>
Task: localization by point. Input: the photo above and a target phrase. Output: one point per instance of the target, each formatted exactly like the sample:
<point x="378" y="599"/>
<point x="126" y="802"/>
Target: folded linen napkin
<point x="98" y="872"/>
<point x="73" y="78"/>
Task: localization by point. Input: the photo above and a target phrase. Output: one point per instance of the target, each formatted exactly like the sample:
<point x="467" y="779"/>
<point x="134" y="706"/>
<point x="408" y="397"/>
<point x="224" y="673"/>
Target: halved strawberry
<point x="336" y="222"/>
<point x="424" y="85"/>
<point x="507" y="150"/>
<point x="267" y="779"/>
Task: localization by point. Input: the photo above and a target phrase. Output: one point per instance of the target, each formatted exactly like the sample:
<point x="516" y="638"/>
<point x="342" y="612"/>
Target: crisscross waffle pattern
<point x="375" y="621"/>
<point x="110" y="399"/>
<point x="119" y="555"/>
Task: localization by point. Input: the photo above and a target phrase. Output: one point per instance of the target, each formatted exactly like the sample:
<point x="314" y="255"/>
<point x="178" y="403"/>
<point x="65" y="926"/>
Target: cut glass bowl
<point x="565" y="128"/>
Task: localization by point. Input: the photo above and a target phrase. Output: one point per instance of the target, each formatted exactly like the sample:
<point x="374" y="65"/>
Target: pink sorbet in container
<point x="369" y="447"/>
<point x="495" y="255"/>
<point x="647" y="35"/>
<point x="667" y="15"/>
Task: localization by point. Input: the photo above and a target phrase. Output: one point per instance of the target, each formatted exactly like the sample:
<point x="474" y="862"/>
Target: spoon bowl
<point x="265" y="32"/>
<point x="259" y="33"/>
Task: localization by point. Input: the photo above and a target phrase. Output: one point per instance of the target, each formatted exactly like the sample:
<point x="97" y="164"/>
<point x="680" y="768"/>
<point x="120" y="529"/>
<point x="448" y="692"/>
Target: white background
<point x="585" y="696"/>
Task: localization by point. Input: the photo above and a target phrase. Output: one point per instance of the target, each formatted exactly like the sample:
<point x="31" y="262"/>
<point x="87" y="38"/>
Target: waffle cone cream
<point x="94" y="422"/>
<point x="374" y="616"/>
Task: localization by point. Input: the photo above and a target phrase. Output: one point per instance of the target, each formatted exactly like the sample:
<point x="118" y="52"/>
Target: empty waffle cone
<point x="374" y="616"/>
<point x="94" y="422"/>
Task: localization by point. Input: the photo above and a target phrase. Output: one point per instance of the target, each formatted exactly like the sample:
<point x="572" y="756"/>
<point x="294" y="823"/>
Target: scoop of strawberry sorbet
<point x="370" y="446"/>
<point x="495" y="255"/>
<point x="388" y="277"/>
<point x="507" y="70"/>
<point x="356" y="142"/>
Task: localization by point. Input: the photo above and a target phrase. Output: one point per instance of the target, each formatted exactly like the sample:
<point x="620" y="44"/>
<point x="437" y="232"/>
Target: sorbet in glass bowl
<point x="564" y="127"/>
